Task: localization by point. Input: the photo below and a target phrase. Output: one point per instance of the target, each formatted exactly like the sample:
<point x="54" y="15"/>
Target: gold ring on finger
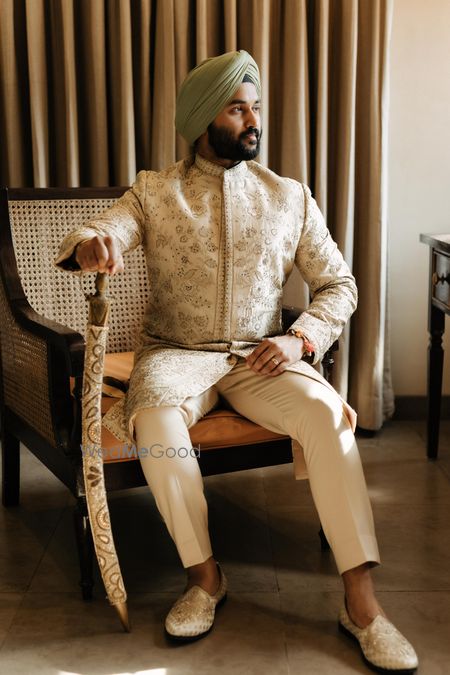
<point x="276" y="362"/>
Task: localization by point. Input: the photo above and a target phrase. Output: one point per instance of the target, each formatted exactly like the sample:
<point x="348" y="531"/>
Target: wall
<point x="419" y="178"/>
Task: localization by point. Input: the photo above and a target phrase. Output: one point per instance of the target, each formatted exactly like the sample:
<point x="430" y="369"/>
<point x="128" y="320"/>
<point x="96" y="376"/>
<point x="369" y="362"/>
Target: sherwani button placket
<point x="228" y="257"/>
<point x="220" y="293"/>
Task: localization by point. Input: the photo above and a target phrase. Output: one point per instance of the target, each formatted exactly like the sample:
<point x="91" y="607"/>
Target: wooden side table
<point x="438" y="307"/>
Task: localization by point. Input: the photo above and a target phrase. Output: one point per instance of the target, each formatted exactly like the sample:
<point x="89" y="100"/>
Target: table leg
<point x="436" y="325"/>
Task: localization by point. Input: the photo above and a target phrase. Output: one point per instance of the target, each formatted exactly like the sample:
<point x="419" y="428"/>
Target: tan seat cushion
<point x="221" y="428"/>
<point x="119" y="365"/>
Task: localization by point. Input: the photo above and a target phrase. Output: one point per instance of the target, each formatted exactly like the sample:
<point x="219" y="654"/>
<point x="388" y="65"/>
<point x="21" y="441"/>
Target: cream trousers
<point x="291" y="404"/>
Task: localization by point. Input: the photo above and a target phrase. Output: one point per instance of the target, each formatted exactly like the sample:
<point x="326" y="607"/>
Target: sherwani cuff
<point x="316" y="332"/>
<point x="65" y="259"/>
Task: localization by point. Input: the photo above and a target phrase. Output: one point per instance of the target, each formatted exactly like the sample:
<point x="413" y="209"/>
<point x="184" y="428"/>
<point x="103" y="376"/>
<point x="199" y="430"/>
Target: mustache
<point x="251" y="131"/>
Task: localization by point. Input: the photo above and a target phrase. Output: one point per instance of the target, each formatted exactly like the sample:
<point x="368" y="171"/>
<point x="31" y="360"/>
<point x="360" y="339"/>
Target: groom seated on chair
<point x="221" y="235"/>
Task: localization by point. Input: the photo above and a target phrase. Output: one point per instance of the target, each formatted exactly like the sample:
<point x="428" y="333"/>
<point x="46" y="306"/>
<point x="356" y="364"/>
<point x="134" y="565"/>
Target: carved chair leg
<point x="324" y="545"/>
<point x="85" y="548"/>
<point x="11" y="468"/>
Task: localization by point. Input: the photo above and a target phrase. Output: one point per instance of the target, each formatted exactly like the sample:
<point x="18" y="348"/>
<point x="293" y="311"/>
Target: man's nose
<point x="252" y="119"/>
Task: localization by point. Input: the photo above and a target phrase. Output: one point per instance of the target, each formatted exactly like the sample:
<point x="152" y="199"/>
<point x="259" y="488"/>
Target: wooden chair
<point x="43" y="318"/>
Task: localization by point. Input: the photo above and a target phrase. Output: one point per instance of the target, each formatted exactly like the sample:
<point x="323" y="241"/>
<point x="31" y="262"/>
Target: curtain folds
<point x="87" y="97"/>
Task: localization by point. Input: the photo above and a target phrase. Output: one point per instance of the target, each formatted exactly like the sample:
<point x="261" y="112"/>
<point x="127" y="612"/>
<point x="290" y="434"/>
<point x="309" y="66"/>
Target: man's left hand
<point x="273" y="355"/>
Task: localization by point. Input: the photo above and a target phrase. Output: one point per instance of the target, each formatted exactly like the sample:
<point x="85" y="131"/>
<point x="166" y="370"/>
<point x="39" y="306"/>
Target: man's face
<point x="235" y="133"/>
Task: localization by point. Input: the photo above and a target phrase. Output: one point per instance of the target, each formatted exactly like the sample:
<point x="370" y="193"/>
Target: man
<point x="221" y="235"/>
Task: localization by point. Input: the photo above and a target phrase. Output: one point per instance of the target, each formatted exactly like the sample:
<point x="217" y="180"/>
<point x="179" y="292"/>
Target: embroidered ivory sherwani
<point x="220" y="245"/>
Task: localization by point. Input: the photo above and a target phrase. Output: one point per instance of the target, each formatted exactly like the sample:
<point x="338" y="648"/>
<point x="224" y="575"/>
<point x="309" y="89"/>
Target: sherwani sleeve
<point x="124" y="220"/>
<point x="331" y="284"/>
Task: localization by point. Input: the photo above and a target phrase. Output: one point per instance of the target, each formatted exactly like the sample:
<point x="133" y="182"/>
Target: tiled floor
<point x="280" y="617"/>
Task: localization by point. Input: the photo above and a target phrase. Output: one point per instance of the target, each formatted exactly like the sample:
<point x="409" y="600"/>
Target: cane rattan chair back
<point x="44" y="315"/>
<point x="37" y="227"/>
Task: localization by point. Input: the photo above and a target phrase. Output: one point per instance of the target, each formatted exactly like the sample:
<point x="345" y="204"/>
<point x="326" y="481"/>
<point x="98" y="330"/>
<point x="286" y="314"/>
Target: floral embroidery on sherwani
<point x="220" y="245"/>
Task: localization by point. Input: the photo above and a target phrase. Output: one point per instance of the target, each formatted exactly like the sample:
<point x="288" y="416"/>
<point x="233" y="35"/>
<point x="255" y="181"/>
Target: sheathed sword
<point x="94" y="480"/>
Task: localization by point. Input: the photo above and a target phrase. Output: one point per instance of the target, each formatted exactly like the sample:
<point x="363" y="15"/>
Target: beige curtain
<point x="87" y="97"/>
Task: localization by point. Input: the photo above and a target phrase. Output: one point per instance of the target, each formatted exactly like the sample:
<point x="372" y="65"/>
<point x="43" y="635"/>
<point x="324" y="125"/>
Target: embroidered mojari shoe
<point x="383" y="647"/>
<point x="192" y="615"/>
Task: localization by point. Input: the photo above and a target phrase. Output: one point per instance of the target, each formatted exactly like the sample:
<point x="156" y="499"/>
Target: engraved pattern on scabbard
<point x="93" y="466"/>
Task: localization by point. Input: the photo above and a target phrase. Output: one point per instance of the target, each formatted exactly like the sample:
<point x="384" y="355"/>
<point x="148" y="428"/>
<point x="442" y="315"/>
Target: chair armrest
<point x="38" y="357"/>
<point x="67" y="341"/>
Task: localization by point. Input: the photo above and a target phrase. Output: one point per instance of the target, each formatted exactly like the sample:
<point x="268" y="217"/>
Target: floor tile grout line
<point x="444" y="472"/>
<point x="45" y="549"/>
<point x="7" y="631"/>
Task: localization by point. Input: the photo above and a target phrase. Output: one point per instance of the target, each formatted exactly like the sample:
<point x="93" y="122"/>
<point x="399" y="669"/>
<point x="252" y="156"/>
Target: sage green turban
<point x="208" y="88"/>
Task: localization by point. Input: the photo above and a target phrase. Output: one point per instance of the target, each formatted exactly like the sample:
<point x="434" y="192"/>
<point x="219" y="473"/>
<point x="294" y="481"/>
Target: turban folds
<point x="208" y="88"/>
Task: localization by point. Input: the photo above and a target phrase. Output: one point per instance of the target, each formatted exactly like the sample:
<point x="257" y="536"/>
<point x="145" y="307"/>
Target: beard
<point x="227" y="146"/>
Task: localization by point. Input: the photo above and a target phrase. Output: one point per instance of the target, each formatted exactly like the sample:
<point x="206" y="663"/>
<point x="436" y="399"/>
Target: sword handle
<point x="99" y="304"/>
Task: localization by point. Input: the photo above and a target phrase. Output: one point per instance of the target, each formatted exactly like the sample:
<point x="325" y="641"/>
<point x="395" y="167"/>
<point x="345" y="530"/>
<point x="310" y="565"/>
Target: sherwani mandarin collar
<point x="213" y="169"/>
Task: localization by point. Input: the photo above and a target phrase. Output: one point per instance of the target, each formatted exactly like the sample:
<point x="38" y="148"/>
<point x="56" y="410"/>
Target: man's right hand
<point x="99" y="254"/>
